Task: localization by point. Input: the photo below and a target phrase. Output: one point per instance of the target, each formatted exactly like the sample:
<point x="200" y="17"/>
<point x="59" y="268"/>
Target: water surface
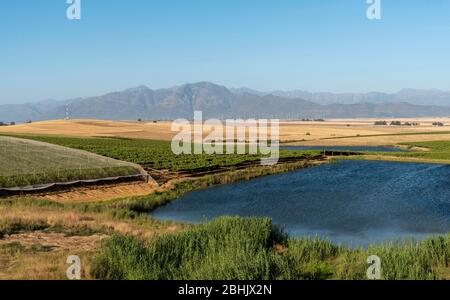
<point x="345" y="148"/>
<point x="350" y="202"/>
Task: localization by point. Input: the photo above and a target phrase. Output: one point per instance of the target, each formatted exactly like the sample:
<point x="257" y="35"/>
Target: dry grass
<point x="72" y="219"/>
<point x="31" y="265"/>
<point x="56" y="242"/>
<point x="42" y="254"/>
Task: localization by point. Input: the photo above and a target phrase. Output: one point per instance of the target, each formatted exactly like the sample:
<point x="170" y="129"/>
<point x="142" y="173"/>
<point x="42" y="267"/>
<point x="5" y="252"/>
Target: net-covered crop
<point x="25" y="162"/>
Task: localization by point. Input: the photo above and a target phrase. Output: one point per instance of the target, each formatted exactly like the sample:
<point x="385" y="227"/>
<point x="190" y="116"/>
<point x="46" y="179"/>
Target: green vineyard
<point x="156" y="154"/>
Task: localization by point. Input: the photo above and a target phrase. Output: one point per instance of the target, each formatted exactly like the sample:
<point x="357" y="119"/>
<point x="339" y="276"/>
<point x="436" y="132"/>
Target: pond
<point x="350" y="202"/>
<point x="345" y="148"/>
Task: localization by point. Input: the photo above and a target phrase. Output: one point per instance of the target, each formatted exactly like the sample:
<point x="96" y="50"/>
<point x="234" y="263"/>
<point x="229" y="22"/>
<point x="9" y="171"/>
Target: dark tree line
<point x="395" y="123"/>
<point x="7" y="124"/>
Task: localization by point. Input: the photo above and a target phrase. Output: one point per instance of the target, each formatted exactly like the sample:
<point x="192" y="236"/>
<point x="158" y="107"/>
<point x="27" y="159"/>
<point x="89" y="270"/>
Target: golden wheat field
<point x="356" y="132"/>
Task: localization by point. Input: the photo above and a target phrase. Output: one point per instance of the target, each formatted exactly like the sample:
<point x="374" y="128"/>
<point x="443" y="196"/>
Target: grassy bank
<point x="439" y="150"/>
<point x="436" y="152"/>
<point x="254" y="249"/>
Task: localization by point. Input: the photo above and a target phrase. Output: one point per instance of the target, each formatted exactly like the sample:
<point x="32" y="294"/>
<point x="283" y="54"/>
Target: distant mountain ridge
<point x="412" y="96"/>
<point x="217" y="101"/>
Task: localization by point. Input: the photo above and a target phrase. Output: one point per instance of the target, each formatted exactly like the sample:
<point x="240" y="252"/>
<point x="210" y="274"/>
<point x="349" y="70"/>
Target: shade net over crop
<point x="32" y="165"/>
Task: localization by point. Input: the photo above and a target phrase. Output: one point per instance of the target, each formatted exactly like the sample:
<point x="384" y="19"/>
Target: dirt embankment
<point x="101" y="193"/>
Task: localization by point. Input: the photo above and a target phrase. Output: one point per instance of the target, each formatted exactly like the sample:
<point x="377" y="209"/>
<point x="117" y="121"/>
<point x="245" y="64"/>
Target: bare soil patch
<point x="101" y="193"/>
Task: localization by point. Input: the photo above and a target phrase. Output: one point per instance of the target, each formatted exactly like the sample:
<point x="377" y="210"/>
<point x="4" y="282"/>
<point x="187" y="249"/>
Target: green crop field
<point x="438" y="150"/>
<point x="25" y="163"/>
<point x="430" y="152"/>
<point x="156" y="154"/>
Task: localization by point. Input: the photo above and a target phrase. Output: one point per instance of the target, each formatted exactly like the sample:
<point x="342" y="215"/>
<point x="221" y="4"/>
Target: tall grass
<point x="254" y="249"/>
<point x="228" y="248"/>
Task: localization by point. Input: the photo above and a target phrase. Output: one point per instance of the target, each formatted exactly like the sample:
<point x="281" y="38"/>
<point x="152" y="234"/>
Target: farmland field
<point x="26" y="163"/>
<point x="156" y="154"/>
<point x="341" y="132"/>
<point x="290" y="258"/>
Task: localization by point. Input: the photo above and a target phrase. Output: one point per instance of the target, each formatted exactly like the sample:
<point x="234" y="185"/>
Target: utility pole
<point x="67" y="112"/>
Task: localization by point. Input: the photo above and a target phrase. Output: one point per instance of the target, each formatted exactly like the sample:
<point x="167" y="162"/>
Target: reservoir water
<point x="350" y="202"/>
<point x="345" y="148"/>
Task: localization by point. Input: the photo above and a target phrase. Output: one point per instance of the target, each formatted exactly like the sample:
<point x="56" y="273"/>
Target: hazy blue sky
<point x="316" y="45"/>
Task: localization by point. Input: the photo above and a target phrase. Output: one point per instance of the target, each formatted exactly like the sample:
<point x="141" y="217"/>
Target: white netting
<point x="27" y="163"/>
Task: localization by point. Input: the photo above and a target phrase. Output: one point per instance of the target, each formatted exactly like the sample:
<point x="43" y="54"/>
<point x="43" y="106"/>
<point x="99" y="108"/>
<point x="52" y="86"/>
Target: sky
<point x="313" y="45"/>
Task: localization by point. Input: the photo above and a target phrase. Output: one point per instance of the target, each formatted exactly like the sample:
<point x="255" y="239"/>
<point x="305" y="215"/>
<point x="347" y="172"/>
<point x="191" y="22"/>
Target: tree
<point x="396" y="123"/>
<point x="380" y="123"/>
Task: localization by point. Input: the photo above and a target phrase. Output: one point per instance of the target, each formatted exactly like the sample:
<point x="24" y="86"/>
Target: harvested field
<point x="358" y="132"/>
<point x="88" y="128"/>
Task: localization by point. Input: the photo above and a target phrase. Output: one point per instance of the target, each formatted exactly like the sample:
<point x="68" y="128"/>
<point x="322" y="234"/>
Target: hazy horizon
<point x="228" y="87"/>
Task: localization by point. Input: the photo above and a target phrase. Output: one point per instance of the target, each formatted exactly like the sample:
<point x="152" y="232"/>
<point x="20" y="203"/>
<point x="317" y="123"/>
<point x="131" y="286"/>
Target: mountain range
<point x="217" y="101"/>
<point x="412" y="96"/>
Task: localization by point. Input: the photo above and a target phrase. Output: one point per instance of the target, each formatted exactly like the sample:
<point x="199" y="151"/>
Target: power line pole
<point x="67" y="112"/>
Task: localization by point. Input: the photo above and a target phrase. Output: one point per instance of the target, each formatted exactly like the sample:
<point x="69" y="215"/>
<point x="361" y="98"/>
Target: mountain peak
<point x="140" y="88"/>
<point x="205" y="84"/>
